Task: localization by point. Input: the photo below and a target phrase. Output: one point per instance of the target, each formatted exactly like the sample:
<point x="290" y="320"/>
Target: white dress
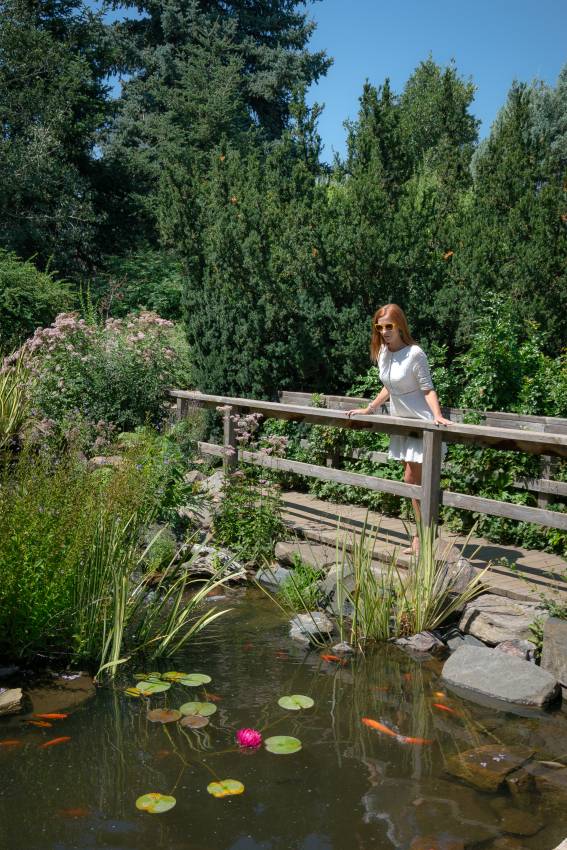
<point x="406" y="375"/>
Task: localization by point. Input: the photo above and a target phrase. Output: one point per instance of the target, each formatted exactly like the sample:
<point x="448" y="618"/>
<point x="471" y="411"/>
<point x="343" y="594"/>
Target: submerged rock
<point x="500" y="676"/>
<point x="487" y="767"/>
<point x="519" y="649"/>
<point x="343" y="647"/>
<point x="5" y="672"/>
<point x="10" y="700"/>
<point x="494" y="619"/>
<point x="519" y="823"/>
<point x="273" y="577"/>
<point x="437" y="842"/>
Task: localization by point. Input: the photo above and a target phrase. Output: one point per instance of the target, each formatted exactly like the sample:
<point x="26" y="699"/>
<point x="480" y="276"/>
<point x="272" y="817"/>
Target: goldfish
<point x="439" y="695"/>
<point x="161" y="754"/>
<point x="38" y="723"/>
<point x="212" y="696"/>
<point x="51" y="716"/>
<point x="401" y="738"/>
<point x="445" y="708"/>
<point x="75" y="813"/>
<point x="282" y="655"/>
<point x="248" y="645"/>
<point x="8" y="743"/>
<point x="55" y="741"/>
<point x="334" y="658"/>
<point x="379" y="689"/>
<point x="408" y="677"/>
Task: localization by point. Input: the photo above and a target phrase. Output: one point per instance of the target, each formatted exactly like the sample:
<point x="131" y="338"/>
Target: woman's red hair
<point x="396" y="315"/>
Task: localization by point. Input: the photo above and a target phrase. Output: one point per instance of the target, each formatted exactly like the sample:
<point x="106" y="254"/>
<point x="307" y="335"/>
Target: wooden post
<point x="548" y="467"/>
<point x="431" y="477"/>
<point x="229" y="462"/>
<point x="182" y="405"/>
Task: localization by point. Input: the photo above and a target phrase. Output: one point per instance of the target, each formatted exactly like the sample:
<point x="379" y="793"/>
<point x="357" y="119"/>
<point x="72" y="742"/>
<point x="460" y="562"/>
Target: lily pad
<point x="296" y="702"/>
<point x="133" y="692"/>
<point x="225" y="787"/>
<point x="193" y="680"/>
<point x="164" y="715"/>
<point x="174" y="676"/>
<point x="147" y="675"/>
<point x="201" y="708"/>
<point x="153" y="687"/>
<point x="282" y="745"/>
<point x="155" y="803"/>
<point x="194" y="721"/>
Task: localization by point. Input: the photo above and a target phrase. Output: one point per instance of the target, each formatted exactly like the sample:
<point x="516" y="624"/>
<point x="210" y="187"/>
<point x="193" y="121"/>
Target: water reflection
<point x="350" y="786"/>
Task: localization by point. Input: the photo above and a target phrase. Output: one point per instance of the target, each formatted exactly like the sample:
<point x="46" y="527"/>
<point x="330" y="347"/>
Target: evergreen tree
<point x="52" y="100"/>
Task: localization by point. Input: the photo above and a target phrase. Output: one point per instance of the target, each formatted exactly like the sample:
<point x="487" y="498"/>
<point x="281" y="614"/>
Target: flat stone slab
<point x="554" y="651"/>
<point x="313" y="624"/>
<point x="314" y="554"/>
<point x="494" y="619"/>
<point x="10" y="700"/>
<point x="500" y="676"/>
<point x="487" y="767"/>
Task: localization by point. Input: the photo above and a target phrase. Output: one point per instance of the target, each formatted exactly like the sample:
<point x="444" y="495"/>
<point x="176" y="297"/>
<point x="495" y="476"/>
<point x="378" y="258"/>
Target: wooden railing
<point x="507" y="432"/>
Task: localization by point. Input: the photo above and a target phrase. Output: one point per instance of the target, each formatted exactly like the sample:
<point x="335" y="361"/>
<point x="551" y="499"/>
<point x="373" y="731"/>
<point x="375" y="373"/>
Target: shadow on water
<point x="350" y="786"/>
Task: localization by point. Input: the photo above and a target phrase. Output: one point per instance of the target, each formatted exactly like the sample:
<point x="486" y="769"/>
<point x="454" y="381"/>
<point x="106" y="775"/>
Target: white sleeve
<point x="420" y="368"/>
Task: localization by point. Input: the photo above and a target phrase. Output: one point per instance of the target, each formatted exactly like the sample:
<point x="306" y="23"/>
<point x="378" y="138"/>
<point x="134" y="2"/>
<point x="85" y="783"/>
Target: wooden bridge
<point x="538" y="435"/>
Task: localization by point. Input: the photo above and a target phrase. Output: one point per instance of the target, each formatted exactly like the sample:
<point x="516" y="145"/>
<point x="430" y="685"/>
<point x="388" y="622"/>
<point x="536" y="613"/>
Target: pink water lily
<point x="248" y="738"/>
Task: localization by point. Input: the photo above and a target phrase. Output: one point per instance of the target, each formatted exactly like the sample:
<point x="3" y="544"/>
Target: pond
<point x="349" y="786"/>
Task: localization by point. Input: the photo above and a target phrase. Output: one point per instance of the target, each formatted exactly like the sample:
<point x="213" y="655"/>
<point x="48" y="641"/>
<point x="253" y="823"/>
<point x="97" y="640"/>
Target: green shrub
<point x="28" y="299"/>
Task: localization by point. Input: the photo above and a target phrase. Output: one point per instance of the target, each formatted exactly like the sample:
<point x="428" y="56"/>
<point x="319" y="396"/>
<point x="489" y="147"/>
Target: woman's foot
<point x="414" y="548"/>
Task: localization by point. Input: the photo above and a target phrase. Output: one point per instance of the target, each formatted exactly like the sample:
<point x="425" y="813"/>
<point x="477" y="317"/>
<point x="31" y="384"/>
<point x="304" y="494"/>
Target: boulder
<point x="554" y="650"/>
<point x="453" y="638"/>
<point x="329" y="592"/>
<point x="519" y="649"/>
<point x="98" y="462"/>
<point x="343" y="647"/>
<point x="500" y="676"/>
<point x="5" y="672"/>
<point x="10" y="700"/>
<point x="487" y="767"/>
<point x="562" y="846"/>
<point x="421" y="642"/>
<point x="194" y="476"/>
<point x="214" y="483"/>
<point x="313" y="554"/>
<point x="494" y="619"/>
<point x="315" y="623"/>
<point x="273" y="577"/>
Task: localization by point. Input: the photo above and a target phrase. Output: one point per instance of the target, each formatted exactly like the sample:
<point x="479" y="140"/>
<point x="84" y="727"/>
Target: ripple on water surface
<point x="350" y="785"/>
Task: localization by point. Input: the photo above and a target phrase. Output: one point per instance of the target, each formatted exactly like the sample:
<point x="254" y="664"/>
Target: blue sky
<point x="492" y="40"/>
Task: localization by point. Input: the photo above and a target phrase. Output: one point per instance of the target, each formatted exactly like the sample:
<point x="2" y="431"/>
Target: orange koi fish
<point x="51" y="716"/>
<point x="211" y="696"/>
<point x="8" y="743"/>
<point x="38" y="723"/>
<point x="334" y="658"/>
<point x="401" y="738"/>
<point x="161" y="754"/>
<point x="408" y="677"/>
<point x="379" y="689"/>
<point x="75" y="813"/>
<point x="248" y="645"/>
<point x="55" y="741"/>
<point x="445" y="708"/>
<point x="282" y="655"/>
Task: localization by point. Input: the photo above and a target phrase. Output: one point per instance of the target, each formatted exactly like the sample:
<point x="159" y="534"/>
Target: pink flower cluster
<point x="248" y="738"/>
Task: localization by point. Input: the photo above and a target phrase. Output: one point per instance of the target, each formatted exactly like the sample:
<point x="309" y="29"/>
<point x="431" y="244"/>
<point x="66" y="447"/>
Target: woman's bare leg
<point x="413" y="476"/>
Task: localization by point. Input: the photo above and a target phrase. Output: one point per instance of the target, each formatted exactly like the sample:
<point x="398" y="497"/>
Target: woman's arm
<point x="433" y="404"/>
<point x="380" y="399"/>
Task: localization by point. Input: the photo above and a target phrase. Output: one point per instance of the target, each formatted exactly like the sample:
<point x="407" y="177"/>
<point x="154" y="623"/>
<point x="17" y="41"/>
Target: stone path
<point x="317" y="521"/>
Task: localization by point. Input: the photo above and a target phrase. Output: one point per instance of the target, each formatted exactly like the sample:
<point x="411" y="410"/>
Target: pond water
<point x="350" y="786"/>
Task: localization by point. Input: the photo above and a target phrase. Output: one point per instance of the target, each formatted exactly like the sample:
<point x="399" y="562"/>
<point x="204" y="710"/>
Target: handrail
<point x="529" y="442"/>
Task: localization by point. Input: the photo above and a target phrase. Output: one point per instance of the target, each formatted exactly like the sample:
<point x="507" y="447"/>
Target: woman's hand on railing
<point x="440" y="420"/>
<point x="364" y="411"/>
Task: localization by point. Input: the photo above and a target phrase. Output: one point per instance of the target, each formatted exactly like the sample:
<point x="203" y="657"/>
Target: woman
<point x="404" y="371"/>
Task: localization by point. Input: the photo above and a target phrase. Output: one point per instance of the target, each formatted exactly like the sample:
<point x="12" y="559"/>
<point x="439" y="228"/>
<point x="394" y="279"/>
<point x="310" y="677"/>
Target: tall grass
<point x="71" y="559"/>
<point x="15" y="405"/>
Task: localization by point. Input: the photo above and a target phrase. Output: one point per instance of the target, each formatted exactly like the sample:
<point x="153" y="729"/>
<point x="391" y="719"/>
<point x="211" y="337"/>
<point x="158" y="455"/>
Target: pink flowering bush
<point x="109" y="376"/>
<point x="251" y="513"/>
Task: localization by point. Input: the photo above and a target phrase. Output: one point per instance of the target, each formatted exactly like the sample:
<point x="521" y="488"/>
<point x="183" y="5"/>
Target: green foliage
<point x="28" y="299"/>
<point x="301" y="590"/>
